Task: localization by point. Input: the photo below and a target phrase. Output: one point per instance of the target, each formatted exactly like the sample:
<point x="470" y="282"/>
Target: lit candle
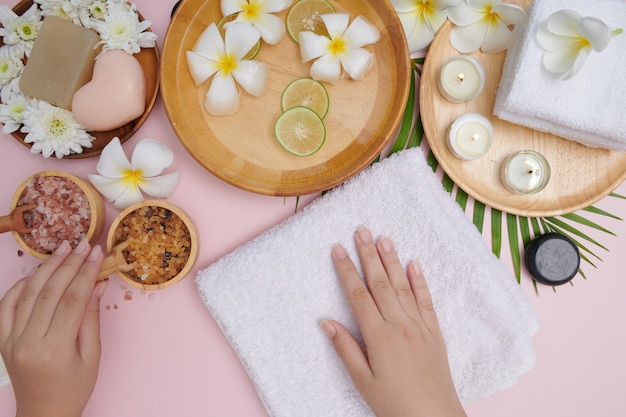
<point x="470" y="136"/>
<point x="525" y="172"/>
<point x="461" y="78"/>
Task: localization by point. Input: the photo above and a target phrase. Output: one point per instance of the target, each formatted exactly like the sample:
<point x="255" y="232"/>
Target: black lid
<point x="552" y="259"/>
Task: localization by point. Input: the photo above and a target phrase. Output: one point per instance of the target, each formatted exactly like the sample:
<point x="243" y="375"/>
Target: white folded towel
<point x="4" y="376"/>
<point x="270" y="295"/>
<point x="589" y="107"/>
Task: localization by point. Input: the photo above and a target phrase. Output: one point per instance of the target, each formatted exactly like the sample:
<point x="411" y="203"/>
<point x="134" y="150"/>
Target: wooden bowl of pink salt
<point x="68" y="208"/>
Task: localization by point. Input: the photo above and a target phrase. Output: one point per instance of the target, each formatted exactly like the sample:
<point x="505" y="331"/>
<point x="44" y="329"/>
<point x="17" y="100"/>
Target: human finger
<point x="397" y="276"/>
<point x="48" y="299"/>
<point x="8" y="306"/>
<point x="37" y="281"/>
<point x="89" y="331"/>
<point x="348" y="350"/>
<point x="357" y="293"/>
<point x="422" y="296"/>
<point x="375" y="275"/>
<point x="71" y="310"/>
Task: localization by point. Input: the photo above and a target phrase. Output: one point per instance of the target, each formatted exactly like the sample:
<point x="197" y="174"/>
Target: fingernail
<point x="63" y="248"/>
<point x="95" y="253"/>
<point x="328" y="328"/>
<point x="417" y="269"/>
<point x="364" y="235"/>
<point x="386" y="245"/>
<point x="340" y="252"/>
<point x="82" y="246"/>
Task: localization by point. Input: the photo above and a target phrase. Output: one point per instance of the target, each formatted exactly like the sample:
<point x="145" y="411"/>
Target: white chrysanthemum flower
<point x="421" y="19"/>
<point x="344" y="49"/>
<point x="12" y="108"/>
<point x="568" y="39"/>
<point x="484" y="25"/>
<point x="53" y="130"/>
<point x="258" y="13"/>
<point x="123" y="181"/>
<point x="76" y="11"/>
<point x="121" y="29"/>
<point x="11" y="65"/>
<point x="98" y="9"/>
<point x="20" y="31"/>
<point x="223" y="60"/>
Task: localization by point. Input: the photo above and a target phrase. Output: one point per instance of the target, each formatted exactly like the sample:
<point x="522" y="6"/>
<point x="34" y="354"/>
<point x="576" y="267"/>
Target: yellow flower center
<point x="57" y="127"/>
<point x="491" y="16"/>
<point x="133" y="177"/>
<point x="337" y="46"/>
<point x="252" y="10"/>
<point x="26" y="31"/>
<point x="227" y="63"/>
<point x="424" y="8"/>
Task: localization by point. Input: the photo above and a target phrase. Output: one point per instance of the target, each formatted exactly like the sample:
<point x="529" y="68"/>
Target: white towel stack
<point x="270" y="295"/>
<point x="590" y="107"/>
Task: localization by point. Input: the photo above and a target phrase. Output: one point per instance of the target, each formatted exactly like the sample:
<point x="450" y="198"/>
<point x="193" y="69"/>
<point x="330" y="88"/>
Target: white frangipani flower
<point x="53" y="130"/>
<point x="20" y="31"/>
<point x="223" y="60"/>
<point x="12" y="108"/>
<point x="421" y="19"/>
<point x="122" y="181"/>
<point x="484" y="24"/>
<point x="568" y="39"/>
<point x="258" y="13"/>
<point x="121" y="29"/>
<point x="344" y="48"/>
<point x="11" y="65"/>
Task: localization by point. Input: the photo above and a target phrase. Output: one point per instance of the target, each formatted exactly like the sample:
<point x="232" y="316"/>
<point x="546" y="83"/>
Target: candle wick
<point x="475" y="136"/>
<point x="460" y="78"/>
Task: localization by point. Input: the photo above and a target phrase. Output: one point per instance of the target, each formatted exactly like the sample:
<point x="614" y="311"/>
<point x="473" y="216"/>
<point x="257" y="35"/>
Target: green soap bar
<point x="60" y="63"/>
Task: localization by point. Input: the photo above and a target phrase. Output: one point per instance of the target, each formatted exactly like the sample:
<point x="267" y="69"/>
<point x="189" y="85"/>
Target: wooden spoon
<point x="14" y="221"/>
<point x="115" y="261"/>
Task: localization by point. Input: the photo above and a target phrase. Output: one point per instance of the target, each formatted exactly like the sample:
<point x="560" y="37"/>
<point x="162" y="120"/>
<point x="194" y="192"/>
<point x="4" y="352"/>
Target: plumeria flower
<point x="568" y="39"/>
<point x="258" y="13"/>
<point x="121" y="29"/>
<point x="421" y="19"/>
<point x="484" y="24"/>
<point x="344" y="49"/>
<point x="20" y="31"/>
<point x="223" y="60"/>
<point x="11" y="65"/>
<point x="122" y="181"/>
<point x="53" y="130"/>
<point x="12" y="108"/>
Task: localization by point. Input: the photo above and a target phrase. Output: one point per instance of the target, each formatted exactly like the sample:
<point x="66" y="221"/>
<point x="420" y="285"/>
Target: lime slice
<point x="306" y="92"/>
<point x="304" y="15"/>
<point x="221" y="27"/>
<point x="300" y="131"/>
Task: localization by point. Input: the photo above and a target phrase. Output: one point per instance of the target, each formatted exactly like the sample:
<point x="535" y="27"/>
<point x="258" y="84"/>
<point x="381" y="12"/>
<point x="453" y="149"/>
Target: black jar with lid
<point x="552" y="259"/>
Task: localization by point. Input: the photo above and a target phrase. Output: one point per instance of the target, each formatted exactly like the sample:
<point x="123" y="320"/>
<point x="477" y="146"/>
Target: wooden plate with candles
<point x="579" y="175"/>
<point x="242" y="149"/>
<point x="149" y="60"/>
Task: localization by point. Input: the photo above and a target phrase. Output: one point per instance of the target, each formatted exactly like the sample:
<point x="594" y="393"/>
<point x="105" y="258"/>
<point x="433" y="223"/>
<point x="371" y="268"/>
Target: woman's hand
<point x="405" y="371"/>
<point x="50" y="333"/>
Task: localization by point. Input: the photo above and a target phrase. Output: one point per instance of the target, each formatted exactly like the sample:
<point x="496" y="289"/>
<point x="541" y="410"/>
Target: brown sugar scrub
<point x="62" y="213"/>
<point x="159" y="244"/>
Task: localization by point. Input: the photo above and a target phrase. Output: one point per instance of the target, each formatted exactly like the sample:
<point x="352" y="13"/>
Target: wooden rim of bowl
<point x="193" y="234"/>
<point x="96" y="205"/>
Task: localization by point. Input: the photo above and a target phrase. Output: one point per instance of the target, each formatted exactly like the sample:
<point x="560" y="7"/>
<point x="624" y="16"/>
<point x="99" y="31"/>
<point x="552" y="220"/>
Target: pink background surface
<point x="163" y="355"/>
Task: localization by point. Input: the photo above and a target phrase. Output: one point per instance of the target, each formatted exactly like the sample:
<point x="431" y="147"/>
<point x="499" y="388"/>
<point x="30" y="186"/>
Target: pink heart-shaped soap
<point x="115" y="95"/>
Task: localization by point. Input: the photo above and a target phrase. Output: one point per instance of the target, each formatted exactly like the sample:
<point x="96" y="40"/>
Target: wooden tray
<point x="580" y="175"/>
<point x="241" y="149"/>
<point x="149" y="60"/>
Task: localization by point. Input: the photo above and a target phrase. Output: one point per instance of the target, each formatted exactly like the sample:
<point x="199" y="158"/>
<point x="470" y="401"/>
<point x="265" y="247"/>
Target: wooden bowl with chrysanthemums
<point x="51" y="130"/>
<point x="67" y="207"/>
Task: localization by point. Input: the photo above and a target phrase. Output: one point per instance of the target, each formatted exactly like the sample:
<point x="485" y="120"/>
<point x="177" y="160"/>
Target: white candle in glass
<point x="525" y="172"/>
<point x="470" y="136"/>
<point x="461" y="78"/>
